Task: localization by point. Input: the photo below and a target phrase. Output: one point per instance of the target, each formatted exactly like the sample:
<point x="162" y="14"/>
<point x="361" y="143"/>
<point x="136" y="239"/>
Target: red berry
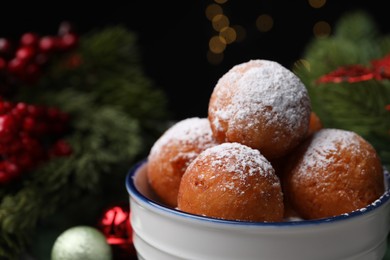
<point x="61" y="148"/>
<point x="25" y="53"/>
<point x="30" y="144"/>
<point x="5" y="107"/>
<point x="4" y="177"/>
<point x="29" y="39"/>
<point x="3" y="64"/>
<point x="35" y="111"/>
<point x="48" y="43"/>
<point x="5" y="46"/>
<point x="68" y="41"/>
<point x="20" y="109"/>
<point x="29" y="124"/>
<point x="11" y="168"/>
<point x="8" y="128"/>
<point x="16" y="66"/>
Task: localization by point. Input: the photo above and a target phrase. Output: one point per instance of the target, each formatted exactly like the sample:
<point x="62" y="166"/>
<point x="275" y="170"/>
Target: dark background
<point x="173" y="36"/>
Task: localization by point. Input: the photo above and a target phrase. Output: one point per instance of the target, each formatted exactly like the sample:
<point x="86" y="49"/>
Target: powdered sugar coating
<point x="232" y="181"/>
<point x="261" y="95"/>
<point x="171" y="154"/>
<point x="246" y="160"/>
<point x="194" y="132"/>
<point x="333" y="172"/>
<point x="240" y="162"/>
<point x="264" y="84"/>
<point x="327" y="144"/>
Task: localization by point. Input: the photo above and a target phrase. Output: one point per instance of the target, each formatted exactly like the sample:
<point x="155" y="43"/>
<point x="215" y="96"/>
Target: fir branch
<point x="359" y="107"/>
<point x="116" y="114"/>
<point x="357" y="26"/>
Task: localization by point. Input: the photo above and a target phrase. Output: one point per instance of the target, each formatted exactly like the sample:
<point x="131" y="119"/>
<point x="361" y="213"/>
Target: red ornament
<point x="379" y="70"/>
<point x="115" y="225"/>
<point x="387" y="107"/>
<point x="351" y="74"/>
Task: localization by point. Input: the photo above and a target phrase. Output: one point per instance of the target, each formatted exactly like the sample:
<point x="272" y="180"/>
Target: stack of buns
<point x="263" y="155"/>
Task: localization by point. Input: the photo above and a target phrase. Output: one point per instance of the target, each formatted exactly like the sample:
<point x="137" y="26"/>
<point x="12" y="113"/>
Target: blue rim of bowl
<point x="132" y="190"/>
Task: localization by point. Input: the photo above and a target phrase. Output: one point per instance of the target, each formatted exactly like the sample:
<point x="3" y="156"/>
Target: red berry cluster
<point x="24" y="60"/>
<point x="29" y="135"/>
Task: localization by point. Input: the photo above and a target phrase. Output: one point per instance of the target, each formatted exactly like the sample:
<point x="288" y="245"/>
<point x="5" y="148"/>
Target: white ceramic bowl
<point x="162" y="233"/>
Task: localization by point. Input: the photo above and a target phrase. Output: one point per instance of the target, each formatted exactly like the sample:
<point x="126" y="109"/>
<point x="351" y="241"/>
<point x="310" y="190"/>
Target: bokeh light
<point x="321" y="29"/>
<point x="317" y="3"/>
<point x="220" y="1"/>
<point x="212" y="10"/>
<point x="264" y="23"/>
<point x="217" y="44"/>
<point x="228" y="34"/>
<point x="219" y="22"/>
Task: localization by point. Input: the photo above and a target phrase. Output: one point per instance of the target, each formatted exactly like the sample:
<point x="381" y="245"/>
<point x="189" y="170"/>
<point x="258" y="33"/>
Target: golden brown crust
<point x="172" y="153"/>
<point x="232" y="181"/>
<point x="332" y="173"/>
<point x="315" y="123"/>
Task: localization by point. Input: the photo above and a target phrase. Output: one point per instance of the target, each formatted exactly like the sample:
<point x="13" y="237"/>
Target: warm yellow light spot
<point x="217" y="44"/>
<point x="240" y="33"/>
<point x="228" y="34"/>
<point x="302" y="63"/>
<point x="317" y="3"/>
<point x="212" y="10"/>
<point x="264" y="23"/>
<point x="214" y="58"/>
<point x="220" y="21"/>
<point x="220" y="1"/>
<point x="321" y="29"/>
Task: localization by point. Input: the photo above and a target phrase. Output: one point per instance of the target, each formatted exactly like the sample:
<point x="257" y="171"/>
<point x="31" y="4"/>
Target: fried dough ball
<point x="315" y="123"/>
<point x="333" y="172"/>
<point x="234" y="182"/>
<point x="261" y="104"/>
<point x="172" y="152"/>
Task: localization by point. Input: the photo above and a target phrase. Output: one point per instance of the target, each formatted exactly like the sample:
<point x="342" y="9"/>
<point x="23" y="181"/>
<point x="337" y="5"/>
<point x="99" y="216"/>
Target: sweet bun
<point x="232" y="181"/>
<point x="172" y="153"/>
<point x="261" y="104"/>
<point x="333" y="172"/>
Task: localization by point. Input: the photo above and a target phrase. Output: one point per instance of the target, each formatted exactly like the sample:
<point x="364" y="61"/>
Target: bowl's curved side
<point x="170" y="234"/>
